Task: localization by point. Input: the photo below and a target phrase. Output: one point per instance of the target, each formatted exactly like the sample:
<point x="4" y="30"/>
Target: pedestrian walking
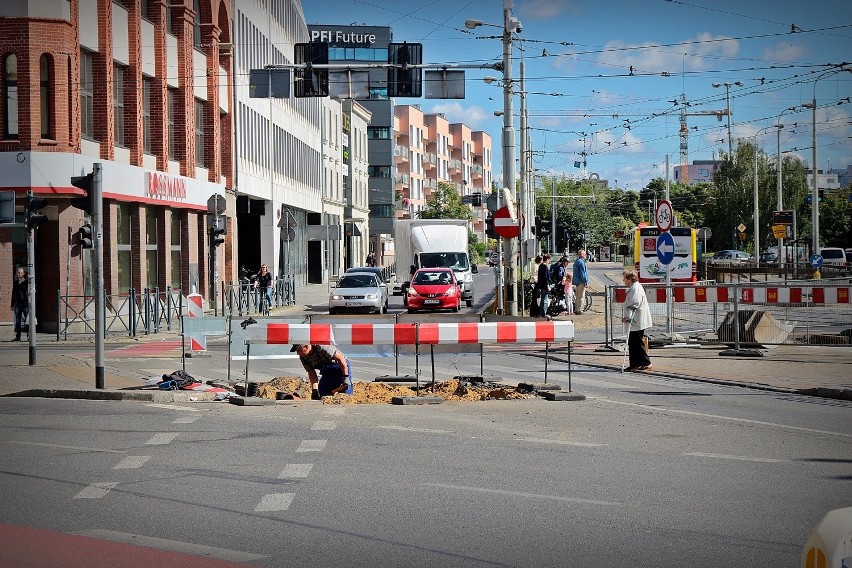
<point x="20" y="301"/>
<point x="535" y="303"/>
<point x="581" y="280"/>
<point x="335" y="373"/>
<point x="543" y="285"/>
<point x="637" y="313"/>
<point x="264" y="283"/>
<point x="568" y="288"/>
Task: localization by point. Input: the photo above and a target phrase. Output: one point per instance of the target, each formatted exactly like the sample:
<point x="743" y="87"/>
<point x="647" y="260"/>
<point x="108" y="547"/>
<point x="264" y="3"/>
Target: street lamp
<point x="510" y="25"/>
<point x="756" y="207"/>
<point x="782" y="256"/>
<point x="728" y="106"/>
<point x="814" y="186"/>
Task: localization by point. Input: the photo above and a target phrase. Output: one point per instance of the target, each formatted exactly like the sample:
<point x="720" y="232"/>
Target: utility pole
<point x="97" y="270"/>
<point x="509" y="26"/>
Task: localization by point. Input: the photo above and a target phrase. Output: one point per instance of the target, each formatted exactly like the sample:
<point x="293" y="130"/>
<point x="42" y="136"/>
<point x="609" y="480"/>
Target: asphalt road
<point x="647" y="471"/>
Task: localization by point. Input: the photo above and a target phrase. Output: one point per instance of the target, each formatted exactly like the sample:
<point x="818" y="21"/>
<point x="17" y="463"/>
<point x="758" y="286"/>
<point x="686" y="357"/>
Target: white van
<point x="833" y="256"/>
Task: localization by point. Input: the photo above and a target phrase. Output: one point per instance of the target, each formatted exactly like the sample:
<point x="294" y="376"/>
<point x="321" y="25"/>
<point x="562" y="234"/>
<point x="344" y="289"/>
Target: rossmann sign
<point x="351" y="36"/>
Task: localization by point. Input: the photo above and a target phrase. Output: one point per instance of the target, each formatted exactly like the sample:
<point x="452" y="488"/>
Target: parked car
<point x="849" y="257"/>
<point x="833" y="256"/>
<point x="768" y="258"/>
<point x="358" y="292"/>
<point x="730" y="257"/>
<point x="433" y="289"/>
<point x="377" y="270"/>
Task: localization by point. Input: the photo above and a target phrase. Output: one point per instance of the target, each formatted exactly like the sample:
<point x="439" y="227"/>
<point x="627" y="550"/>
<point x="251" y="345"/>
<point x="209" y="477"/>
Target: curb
<point x="140" y="396"/>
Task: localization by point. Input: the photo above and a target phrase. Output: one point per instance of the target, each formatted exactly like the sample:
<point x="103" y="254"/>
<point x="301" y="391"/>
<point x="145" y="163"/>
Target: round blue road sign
<point x="665" y="248"/>
<point x="815" y="260"/>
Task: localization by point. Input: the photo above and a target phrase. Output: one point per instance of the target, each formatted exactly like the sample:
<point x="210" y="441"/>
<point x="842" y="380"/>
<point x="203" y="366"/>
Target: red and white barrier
<point x="411" y="333"/>
<point x="747" y="295"/>
<point x="195" y="307"/>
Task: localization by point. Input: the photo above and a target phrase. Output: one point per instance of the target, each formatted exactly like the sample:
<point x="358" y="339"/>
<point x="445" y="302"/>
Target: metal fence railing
<point x="752" y="314"/>
<point x="132" y="313"/>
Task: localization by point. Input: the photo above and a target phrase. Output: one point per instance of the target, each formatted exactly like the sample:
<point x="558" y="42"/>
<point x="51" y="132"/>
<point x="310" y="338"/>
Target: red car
<point x="433" y="289"/>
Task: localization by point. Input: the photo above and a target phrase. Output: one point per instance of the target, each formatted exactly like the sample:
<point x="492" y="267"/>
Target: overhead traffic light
<point x="310" y="82"/>
<point x="489" y="227"/>
<point x="86" y="183"/>
<point x="85" y="236"/>
<point x="404" y="79"/>
<point x="33" y="217"/>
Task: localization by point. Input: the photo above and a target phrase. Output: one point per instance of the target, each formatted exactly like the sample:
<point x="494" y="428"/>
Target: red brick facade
<point x="59" y="41"/>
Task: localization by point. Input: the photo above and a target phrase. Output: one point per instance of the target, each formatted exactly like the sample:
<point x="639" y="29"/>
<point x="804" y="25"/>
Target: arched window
<point x="10" y="95"/>
<point x="196" y="25"/>
<point x="44" y="89"/>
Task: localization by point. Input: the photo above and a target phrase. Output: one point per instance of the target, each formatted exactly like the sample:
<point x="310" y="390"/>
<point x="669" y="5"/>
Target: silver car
<point x="358" y="292"/>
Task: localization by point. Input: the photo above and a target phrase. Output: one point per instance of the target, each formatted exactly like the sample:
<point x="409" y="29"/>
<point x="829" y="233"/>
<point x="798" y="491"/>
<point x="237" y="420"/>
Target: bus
<point x="684" y="267"/>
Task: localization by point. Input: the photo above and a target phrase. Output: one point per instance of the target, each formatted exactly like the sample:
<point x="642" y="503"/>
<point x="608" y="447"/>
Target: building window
<point x="152" y="280"/>
<point x="199" y="133"/>
<point x="44" y="91"/>
<point x="379" y="171"/>
<point x="196" y="24"/>
<point x="10" y="83"/>
<point x="118" y="105"/>
<point x="125" y="258"/>
<point x="175" y="252"/>
<point x="147" y="147"/>
<point x="378" y="133"/>
<point x="172" y="132"/>
<point x="381" y="210"/>
<point x="87" y="96"/>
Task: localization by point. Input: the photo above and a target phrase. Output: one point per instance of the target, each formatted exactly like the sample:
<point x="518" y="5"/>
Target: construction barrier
<point x="754" y="314"/>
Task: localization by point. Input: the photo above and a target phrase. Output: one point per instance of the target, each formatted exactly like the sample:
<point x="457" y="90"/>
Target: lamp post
<point x="510" y="26"/>
<point x="814" y="186"/>
<point x="728" y="106"/>
<point x="782" y="256"/>
<point x="756" y="207"/>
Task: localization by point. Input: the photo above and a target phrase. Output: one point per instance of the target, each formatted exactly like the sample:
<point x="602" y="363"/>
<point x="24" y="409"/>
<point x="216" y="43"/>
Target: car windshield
<point x="436" y="277"/>
<point x="832" y="253"/>
<point x="455" y="260"/>
<point x="358" y="281"/>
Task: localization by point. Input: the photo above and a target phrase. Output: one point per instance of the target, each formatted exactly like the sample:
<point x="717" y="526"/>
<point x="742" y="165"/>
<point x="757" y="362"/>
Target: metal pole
<point x="756" y="208"/>
<point x="31" y="314"/>
<point x="728" y="110"/>
<point x="97" y="271"/>
<point x="522" y="216"/>
<point x="509" y="151"/>
<point x="814" y="185"/>
<point x="781" y="254"/>
<point x="553" y="216"/>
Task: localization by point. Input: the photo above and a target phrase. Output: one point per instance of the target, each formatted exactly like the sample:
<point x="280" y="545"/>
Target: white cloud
<point x="644" y="58"/>
<point x="543" y="9"/>
<point x="473" y="116"/>
<point x="785" y="52"/>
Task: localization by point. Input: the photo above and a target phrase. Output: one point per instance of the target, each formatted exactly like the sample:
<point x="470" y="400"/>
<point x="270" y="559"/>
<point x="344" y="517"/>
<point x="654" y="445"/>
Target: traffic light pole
<point x="98" y="271"/>
<point x="31" y="318"/>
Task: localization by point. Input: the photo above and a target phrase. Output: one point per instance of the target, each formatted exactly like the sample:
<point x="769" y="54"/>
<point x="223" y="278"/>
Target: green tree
<point x="445" y="203"/>
<point x="835" y="220"/>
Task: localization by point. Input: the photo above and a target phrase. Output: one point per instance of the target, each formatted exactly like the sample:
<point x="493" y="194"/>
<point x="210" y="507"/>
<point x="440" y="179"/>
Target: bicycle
<point x="263" y="302"/>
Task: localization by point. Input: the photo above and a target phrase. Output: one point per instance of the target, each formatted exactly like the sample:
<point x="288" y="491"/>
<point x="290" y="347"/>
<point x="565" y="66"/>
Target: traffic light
<point x="310" y="82"/>
<point x="216" y="233"/>
<point x="33" y="217"/>
<point x="86" y="183"/>
<point x="543" y="228"/>
<point x="405" y="81"/>
<point x="820" y="196"/>
<point x="489" y="227"/>
<point x="85" y="237"/>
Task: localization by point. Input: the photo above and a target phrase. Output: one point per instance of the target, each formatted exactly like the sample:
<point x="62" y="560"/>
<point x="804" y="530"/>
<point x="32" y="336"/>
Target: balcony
<point x="430" y="160"/>
<point x="476" y="172"/>
<point x="455" y="166"/>
<point x="401" y="155"/>
<point x="402" y="180"/>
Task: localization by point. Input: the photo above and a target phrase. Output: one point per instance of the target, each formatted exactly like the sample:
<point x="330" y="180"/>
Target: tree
<point x="445" y="203"/>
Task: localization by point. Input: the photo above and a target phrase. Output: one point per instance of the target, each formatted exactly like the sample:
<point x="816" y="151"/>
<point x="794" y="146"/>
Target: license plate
<point x="431" y="301"/>
<point x="353" y="304"/>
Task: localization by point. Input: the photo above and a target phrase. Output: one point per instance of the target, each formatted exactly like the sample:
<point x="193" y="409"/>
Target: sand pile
<point x="382" y="393"/>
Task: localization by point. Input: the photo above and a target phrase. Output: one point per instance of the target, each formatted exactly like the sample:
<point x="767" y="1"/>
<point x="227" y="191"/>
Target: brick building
<point x="142" y="87"/>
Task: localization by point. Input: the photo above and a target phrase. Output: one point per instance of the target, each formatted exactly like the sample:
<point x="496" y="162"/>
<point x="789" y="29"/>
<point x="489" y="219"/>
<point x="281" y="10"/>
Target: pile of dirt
<point x="382" y="393"/>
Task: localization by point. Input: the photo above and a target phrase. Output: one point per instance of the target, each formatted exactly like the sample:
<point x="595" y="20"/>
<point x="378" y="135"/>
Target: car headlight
<point x="413" y="292"/>
<point x="372" y="296"/>
<point x="336" y="297"/>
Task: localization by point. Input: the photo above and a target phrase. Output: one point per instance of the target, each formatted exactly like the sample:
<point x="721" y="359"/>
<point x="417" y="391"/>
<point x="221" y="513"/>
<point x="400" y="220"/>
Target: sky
<point x="605" y="79"/>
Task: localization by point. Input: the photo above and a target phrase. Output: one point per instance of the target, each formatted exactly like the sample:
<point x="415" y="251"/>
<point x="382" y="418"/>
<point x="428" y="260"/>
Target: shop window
<point x="175" y="259"/>
<point x="87" y="96"/>
<point x="118" y="105"/>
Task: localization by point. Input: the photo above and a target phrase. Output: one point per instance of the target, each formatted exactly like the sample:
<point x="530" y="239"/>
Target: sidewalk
<point x="813" y="370"/>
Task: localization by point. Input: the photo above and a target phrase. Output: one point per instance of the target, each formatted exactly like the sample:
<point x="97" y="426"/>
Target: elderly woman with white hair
<point x="638" y="315"/>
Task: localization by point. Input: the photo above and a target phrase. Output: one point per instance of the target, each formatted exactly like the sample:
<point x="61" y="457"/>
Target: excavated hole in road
<point x="382" y="393"/>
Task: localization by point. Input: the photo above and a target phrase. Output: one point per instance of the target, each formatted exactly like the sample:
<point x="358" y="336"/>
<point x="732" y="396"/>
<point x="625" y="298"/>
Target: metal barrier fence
<point x="131" y="313"/>
<point x="242" y="298"/>
<point x="816" y="312"/>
